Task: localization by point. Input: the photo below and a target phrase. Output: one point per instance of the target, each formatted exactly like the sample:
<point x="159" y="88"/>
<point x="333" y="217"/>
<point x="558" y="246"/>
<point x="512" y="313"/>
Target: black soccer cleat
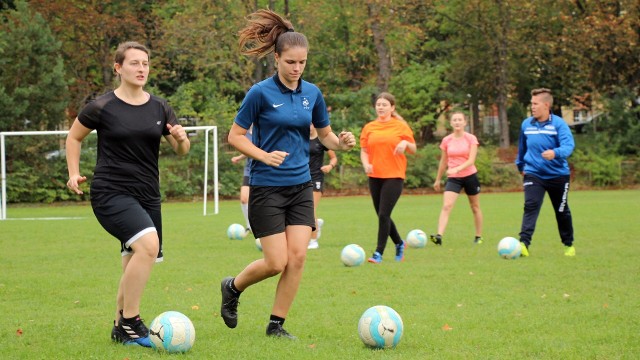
<point x="276" y="330"/>
<point x="229" y="307"/>
<point x="436" y="239"/>
<point x="135" y="333"/>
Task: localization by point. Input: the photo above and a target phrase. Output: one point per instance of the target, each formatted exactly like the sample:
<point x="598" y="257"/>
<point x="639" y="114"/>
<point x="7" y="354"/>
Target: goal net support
<point x="209" y="131"/>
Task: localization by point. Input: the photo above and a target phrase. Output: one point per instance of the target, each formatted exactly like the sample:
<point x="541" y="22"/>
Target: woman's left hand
<point x="178" y="133"/>
<point x="401" y="147"/>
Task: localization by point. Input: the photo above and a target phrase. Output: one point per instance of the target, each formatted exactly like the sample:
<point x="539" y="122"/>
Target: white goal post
<point x="207" y="129"/>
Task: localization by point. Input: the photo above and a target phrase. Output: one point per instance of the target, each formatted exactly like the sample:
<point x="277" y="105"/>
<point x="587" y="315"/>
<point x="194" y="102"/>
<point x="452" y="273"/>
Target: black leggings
<point x="385" y="194"/>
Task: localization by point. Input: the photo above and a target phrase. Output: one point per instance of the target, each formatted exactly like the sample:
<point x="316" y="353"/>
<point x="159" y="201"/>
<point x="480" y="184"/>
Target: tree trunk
<point x="503" y="73"/>
<point x="475" y="118"/>
<point x="384" y="59"/>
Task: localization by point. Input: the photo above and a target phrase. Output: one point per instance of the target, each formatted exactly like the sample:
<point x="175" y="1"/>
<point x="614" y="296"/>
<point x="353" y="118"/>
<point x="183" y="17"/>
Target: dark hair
<point x="122" y="48"/>
<point x="546" y="93"/>
<point x="268" y="32"/>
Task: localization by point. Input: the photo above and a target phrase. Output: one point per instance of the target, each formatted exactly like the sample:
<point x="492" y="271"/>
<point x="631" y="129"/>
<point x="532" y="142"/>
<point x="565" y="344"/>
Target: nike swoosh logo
<point x="277" y="105"/>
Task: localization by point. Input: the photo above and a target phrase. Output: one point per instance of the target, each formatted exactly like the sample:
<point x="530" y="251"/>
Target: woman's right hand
<point x="436" y="185"/>
<point x="368" y="169"/>
<point x="275" y="158"/>
<point x="74" y="183"/>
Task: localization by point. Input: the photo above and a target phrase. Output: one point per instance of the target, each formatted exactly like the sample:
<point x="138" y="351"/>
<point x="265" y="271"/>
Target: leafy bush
<point x="595" y="167"/>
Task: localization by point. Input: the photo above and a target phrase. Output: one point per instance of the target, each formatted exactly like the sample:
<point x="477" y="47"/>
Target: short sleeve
<point x="408" y="134"/>
<point x="364" y="137"/>
<point x="250" y="107"/>
<point x="319" y="115"/>
<point x="472" y="139"/>
<point x="89" y="116"/>
<point x="170" y="117"/>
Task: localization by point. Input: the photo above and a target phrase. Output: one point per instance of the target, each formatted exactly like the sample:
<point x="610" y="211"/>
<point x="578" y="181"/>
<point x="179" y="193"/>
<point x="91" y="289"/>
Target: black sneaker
<point x="114" y="331"/>
<point x="229" y="307"/>
<point x="436" y="239"/>
<point x="132" y="334"/>
<point x="276" y="330"/>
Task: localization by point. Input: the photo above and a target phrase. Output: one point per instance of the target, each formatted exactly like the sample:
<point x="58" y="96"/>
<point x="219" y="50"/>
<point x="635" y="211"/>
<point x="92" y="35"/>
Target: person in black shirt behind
<point x="125" y="191"/>
<point x="318" y="169"/>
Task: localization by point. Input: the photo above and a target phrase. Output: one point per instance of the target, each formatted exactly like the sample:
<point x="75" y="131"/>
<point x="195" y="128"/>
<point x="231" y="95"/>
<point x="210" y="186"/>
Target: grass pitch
<point x="459" y="301"/>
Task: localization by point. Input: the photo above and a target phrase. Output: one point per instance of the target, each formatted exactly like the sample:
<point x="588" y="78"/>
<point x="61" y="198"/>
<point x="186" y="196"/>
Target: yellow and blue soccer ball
<point x="258" y="244"/>
<point x="172" y="332"/>
<point x="509" y="248"/>
<point x="416" y="239"/>
<point x="236" y="232"/>
<point x="380" y="327"/>
<point x="352" y="255"/>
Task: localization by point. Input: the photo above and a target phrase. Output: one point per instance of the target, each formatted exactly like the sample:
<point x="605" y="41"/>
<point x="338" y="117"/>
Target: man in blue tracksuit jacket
<point x="545" y="144"/>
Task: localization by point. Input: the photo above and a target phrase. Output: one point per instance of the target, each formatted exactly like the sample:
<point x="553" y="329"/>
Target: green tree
<point x="90" y="31"/>
<point x="32" y="80"/>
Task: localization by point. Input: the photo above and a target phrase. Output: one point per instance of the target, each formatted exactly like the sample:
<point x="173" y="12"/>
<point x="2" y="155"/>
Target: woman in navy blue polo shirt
<point x="281" y="109"/>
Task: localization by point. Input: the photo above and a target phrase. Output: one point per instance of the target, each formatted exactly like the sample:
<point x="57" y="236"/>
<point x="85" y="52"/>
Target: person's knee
<point x="276" y="266"/>
<point x="148" y="246"/>
<point x="297" y="259"/>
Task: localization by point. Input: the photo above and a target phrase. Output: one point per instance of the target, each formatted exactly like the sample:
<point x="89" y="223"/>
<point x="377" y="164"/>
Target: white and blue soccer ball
<point x="258" y="244"/>
<point x="416" y="238"/>
<point x="509" y="248"/>
<point x="352" y="255"/>
<point x="236" y="232"/>
<point x="380" y="327"/>
<point x="172" y="332"/>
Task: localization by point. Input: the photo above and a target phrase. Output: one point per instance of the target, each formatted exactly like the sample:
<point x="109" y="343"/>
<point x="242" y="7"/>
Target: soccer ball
<point x="258" y="244"/>
<point x="236" y="232"/>
<point x="352" y="255"/>
<point x="509" y="248"/>
<point x="172" y="332"/>
<point x="380" y="327"/>
<point x="416" y="238"/>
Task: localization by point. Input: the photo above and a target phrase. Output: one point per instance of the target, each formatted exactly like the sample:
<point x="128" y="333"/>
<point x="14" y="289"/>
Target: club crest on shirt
<point x="305" y="103"/>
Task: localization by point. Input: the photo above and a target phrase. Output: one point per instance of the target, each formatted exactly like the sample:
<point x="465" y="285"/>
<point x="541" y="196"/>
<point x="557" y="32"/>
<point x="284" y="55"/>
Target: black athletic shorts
<point x="273" y="208"/>
<point x="470" y="183"/>
<point x="245" y="181"/>
<point x="318" y="184"/>
<point x="124" y="217"/>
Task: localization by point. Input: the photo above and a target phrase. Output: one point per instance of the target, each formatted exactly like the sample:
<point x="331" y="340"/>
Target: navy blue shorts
<point x="273" y="208"/>
<point x="124" y="217"/>
<point x="245" y="181"/>
<point x="470" y="183"/>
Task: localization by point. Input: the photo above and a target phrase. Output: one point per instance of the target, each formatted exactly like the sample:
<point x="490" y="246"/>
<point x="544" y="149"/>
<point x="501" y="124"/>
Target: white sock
<point x="245" y="212"/>
<point x="319" y="230"/>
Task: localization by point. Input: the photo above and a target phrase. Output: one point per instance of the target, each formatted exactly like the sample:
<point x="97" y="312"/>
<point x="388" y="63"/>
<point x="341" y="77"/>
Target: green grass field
<point x="459" y="301"/>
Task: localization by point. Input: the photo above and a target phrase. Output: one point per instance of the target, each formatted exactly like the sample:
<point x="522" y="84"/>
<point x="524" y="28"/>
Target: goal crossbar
<point x="207" y="129"/>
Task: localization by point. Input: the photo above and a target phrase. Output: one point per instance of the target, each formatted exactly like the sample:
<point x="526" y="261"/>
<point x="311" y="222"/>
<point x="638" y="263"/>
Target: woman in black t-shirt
<point x="318" y="169"/>
<point x="125" y="191"/>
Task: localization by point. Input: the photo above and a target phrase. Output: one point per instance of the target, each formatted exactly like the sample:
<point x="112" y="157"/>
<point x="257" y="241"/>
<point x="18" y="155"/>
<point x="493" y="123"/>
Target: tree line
<point x="433" y="55"/>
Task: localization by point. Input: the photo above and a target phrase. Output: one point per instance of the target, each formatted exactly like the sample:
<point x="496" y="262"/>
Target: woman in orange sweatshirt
<point x="384" y="142"/>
